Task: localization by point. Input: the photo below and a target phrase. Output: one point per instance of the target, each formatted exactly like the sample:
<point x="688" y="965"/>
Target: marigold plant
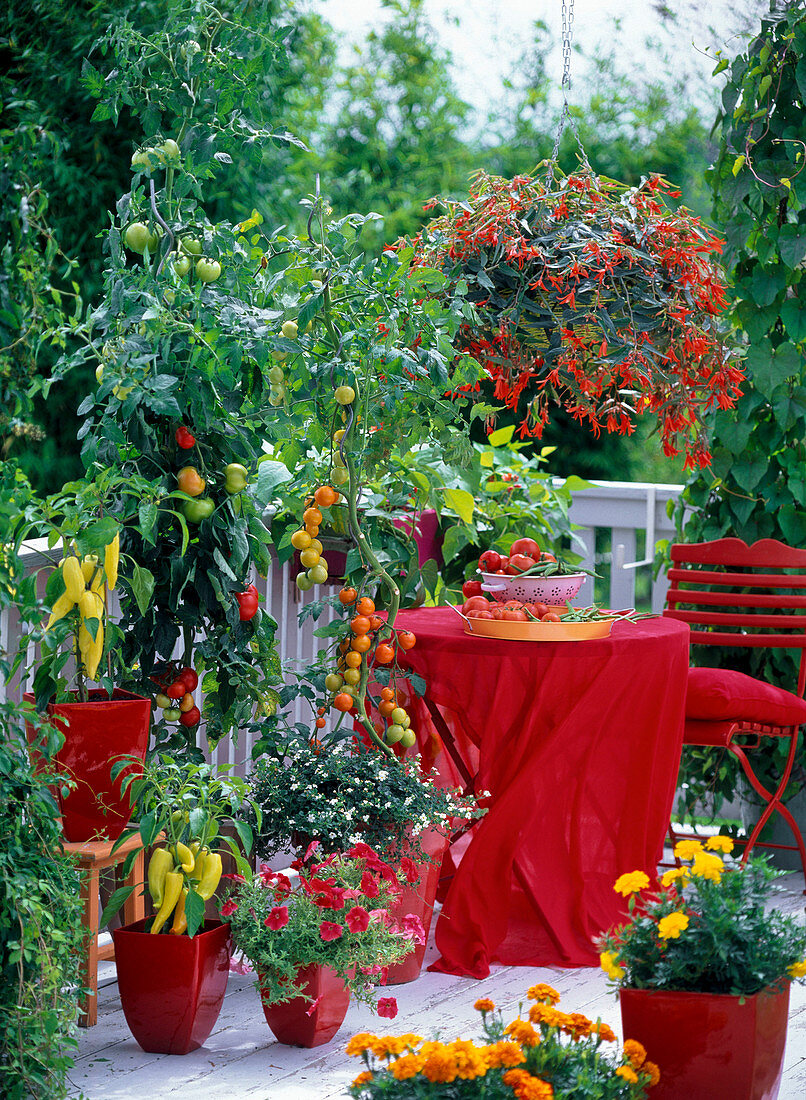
<point x="709" y="927"/>
<point x="550" y="1054"/>
<point x="591" y="295"/>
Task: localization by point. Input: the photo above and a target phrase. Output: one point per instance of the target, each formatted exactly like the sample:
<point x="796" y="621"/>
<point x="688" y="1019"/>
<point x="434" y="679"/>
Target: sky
<point x="485" y="36"/>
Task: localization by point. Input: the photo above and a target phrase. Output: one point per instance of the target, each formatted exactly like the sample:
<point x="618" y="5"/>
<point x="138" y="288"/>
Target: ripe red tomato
<point x="541" y="609"/>
<point x="490" y="561"/>
<point x="504" y="563"/>
<point x="384" y="654"/>
<point x="513" y="615"/>
<point x="547" y="557"/>
<point x="189" y="676"/>
<point x="550" y="617"/>
<point x="525" y="546"/>
<point x="497" y="612"/>
<point x="513" y="603"/>
<point x="471" y="588"/>
<point x="190" y="717"/>
<point x="519" y="563"/>
<point x="476" y="603"/>
<point x="481" y="615"/>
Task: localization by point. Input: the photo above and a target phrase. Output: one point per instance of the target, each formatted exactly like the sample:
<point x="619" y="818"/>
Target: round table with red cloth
<point x="579" y="745"/>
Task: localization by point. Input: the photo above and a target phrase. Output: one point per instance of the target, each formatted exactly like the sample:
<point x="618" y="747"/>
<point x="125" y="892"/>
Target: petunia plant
<point x="708" y="928"/>
<point x="592" y="295"/>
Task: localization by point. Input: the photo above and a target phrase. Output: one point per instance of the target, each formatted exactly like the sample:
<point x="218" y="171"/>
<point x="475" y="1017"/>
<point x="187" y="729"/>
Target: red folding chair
<point x="732" y="594"/>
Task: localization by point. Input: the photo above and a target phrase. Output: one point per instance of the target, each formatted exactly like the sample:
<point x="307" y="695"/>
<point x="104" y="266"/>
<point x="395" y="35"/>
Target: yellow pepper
<point x="91" y="605"/>
<point x="172" y="891"/>
<point x="184" y="857"/>
<point x="210" y="877"/>
<point x="91" y="649"/>
<point x="198" y="866"/>
<point x="61" y="607"/>
<point x="89" y="566"/>
<point x="111" y="560"/>
<point x="180" y="924"/>
<point x="159" y="865"/>
<point x="73" y="578"/>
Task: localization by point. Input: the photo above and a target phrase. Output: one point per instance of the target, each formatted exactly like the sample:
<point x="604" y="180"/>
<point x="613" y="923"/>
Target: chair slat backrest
<point x="716" y="587"/>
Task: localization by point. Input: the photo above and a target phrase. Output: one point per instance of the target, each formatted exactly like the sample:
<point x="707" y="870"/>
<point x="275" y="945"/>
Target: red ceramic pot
<point x="172" y="987"/>
<point x="419" y="900"/>
<point x="96" y="735"/>
<point x="710" y="1045"/>
<point x="427" y="535"/>
<point x="302" y="1023"/>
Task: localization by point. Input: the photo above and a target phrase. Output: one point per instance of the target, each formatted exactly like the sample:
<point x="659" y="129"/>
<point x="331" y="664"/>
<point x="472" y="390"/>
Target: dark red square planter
<point x="303" y="1023"/>
<point x="172" y="987"/>
<point x="96" y="735"/>
<point x="709" y="1046"/>
<point x="419" y="901"/>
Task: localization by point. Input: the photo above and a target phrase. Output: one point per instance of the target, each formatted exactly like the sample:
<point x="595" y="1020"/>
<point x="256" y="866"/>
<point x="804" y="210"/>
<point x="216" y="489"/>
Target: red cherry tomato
<point x="525" y="546"/>
<point x="247" y="603"/>
<point x="512" y="615"/>
<point x="406" y="640"/>
<point x="476" y="603"/>
<point x="519" y="563"/>
<point x="490" y="561"/>
<point x="190" y="717"/>
<point x="497" y="612"/>
<point x="184" y="438"/>
<point x="471" y="588"/>
<point x="504" y="563"/>
<point x="176" y="690"/>
<point x="550" y="617"/>
<point x="547" y="557"/>
<point x="189" y="677"/>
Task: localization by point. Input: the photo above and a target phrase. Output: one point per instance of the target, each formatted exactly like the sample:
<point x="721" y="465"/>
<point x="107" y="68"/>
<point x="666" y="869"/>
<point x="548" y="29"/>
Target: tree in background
<point x="757" y="486"/>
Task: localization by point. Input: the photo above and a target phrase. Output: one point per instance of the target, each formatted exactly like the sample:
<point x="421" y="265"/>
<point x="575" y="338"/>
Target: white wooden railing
<point x="617" y="521"/>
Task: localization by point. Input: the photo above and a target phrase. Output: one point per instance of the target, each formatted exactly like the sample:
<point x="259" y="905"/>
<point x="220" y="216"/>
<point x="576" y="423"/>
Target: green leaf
<point x="793" y="315"/>
<point x="121" y="895"/>
<point x="461" y="502"/>
<point x="791" y="245"/>
<point x="766" y="283"/>
<point x="142" y="587"/>
<point x="149" y="828"/>
<point x="429" y="571"/>
<point x="501" y="436"/>
<point x="270" y="475"/>
<point x="748" y="473"/>
<point x="194" y="911"/>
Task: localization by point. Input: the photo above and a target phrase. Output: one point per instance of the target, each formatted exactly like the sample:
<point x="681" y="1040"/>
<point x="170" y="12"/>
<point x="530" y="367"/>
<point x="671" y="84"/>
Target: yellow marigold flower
<point x="628" y="1073"/>
<point x="681" y="873"/>
<point x="635" y="1053"/>
<point x="653" y="1071"/>
<point x="410" y="1040"/>
<point x="631" y="883"/>
<point x="542" y="992"/>
<point x="363" y="1078"/>
<point x="440" y="1066"/>
<point x="719" y="844"/>
<point x="797" y="970"/>
<point x="408" y="1065"/>
<point x="387" y="1045"/>
<point x="669" y="928"/>
<point x="504" y="1054"/>
<point x="484" y="1004"/>
<point x="687" y="849"/>
<point x="361" y="1043"/>
<point x="607" y="961"/>
<point x="522" y="1032"/>
<point x="707" y="866"/>
<point x="470" y="1062"/>
<point x="604" y="1031"/>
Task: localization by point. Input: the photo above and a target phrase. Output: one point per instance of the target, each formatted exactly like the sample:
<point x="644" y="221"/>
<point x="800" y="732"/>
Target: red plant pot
<point x="427" y="535"/>
<point x="172" y="987"/>
<point x="96" y="735"/>
<point x="302" y="1023"/>
<point x="710" y="1045"/>
<point x="419" y="900"/>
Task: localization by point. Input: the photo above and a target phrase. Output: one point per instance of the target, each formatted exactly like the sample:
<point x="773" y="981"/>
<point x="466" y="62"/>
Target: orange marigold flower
<point x="635" y="1053"/>
<point x="522" y="1032"/>
<point x="628" y="1073"/>
<point x="484" y="1004"/>
<point x="542" y="992"/>
<point x="631" y="883"/>
<point x="576" y="1025"/>
<point x="470" y="1062"/>
<point x="361" y="1043"/>
<point x="526" y="1087"/>
<point x="504" y="1054"/>
<point x="440" y="1066"/>
<point x="408" y="1065"/>
<point x="363" y="1078"/>
<point x="545" y="1014"/>
<point x="604" y="1031"/>
<point x="653" y="1071"/>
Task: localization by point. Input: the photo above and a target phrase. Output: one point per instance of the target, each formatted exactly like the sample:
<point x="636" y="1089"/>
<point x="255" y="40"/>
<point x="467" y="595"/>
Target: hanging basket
<point x="590" y="295"/>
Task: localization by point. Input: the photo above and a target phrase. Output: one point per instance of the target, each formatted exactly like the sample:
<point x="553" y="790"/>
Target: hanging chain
<point x="565" y="86"/>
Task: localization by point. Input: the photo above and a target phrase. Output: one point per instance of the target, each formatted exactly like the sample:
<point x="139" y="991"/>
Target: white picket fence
<point x="616" y="522"/>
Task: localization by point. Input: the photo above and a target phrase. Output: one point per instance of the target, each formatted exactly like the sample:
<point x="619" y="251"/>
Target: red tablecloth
<point x="579" y="744"/>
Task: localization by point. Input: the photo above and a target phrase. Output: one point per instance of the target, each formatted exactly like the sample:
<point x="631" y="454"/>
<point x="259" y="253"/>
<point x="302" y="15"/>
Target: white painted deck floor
<point x="242" y="1059"/>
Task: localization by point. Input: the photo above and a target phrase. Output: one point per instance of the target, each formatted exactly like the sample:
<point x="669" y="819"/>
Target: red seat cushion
<point x="717" y="694"/>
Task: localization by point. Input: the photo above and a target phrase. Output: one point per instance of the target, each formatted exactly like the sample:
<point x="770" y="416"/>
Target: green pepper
<point x="171" y="893"/>
<point x="159" y="865"/>
<point x="236" y="477"/>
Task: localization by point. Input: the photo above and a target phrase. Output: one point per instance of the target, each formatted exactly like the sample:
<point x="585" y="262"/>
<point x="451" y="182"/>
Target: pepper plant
<point x="756" y="487"/>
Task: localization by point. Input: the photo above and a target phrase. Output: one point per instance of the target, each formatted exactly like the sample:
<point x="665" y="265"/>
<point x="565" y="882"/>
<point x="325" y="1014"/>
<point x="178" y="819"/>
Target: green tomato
<point x="172" y="714"/>
<point x="339" y="476"/>
<point x="170" y="150"/>
<point x="408" y="739"/>
<point x="318" y="573"/>
<point x="198" y="509"/>
<point x="303" y="582"/>
<point x="276" y="375"/>
<point x="289" y="330"/>
<point x="181" y="264"/>
<point x="141" y="161"/>
<point x="138" y="237"/>
<point x="277" y="397"/>
<point x="345" y="395"/>
<point x="162" y="701"/>
<point x="191" y="245"/>
<point x="207" y="271"/>
<point x="394" y="734"/>
<point x="122" y="392"/>
<point x="333" y="681"/>
<point x="99" y="373"/>
<point x="236" y="477"/>
<point x="398" y="716"/>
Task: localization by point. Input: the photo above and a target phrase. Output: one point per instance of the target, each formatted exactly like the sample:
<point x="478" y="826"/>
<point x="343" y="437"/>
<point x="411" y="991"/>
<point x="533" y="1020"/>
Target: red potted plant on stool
<point x="703" y="967"/>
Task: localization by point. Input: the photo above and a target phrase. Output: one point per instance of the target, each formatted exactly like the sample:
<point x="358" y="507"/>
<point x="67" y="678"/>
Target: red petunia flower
<point x="357" y="919"/>
<point x="228" y="908"/>
<point x="330" y="931"/>
<point x="278" y="918"/>
<point x="387" y="1006"/>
